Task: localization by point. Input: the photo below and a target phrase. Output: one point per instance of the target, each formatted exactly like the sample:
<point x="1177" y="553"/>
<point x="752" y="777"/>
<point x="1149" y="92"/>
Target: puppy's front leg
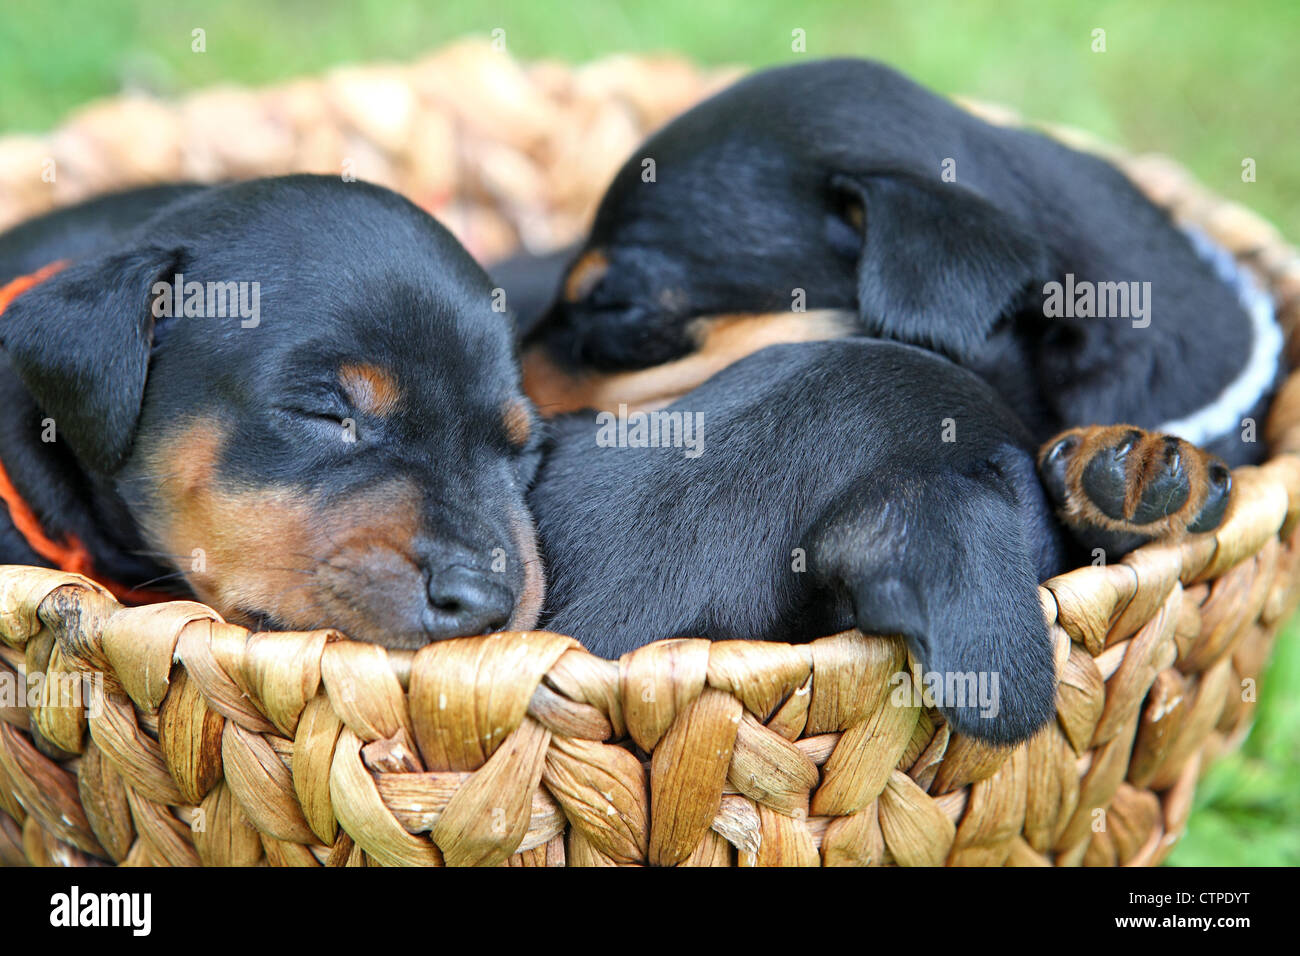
<point x="1117" y="487"/>
<point x="952" y="562"/>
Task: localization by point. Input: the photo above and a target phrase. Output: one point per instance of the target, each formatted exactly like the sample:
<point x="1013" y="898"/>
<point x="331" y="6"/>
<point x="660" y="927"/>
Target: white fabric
<point x="1243" y="393"/>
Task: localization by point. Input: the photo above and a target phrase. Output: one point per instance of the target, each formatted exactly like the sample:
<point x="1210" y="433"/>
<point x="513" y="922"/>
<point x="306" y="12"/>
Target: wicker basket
<point x="212" y="745"/>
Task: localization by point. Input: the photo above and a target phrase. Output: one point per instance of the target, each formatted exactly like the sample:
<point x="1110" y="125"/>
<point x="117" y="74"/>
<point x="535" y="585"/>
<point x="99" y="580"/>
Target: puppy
<point x="824" y="486"/>
<point x="290" y="398"/>
<point x="840" y="199"/>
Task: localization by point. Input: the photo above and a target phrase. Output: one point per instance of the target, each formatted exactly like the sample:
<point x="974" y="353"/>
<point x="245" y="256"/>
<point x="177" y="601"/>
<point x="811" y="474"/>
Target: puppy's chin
<point x="718" y="341"/>
<point x="367" y="631"/>
<point x="385" y="611"/>
<point x="559" y="391"/>
<point x="385" y="616"/>
<point x="554" y="389"/>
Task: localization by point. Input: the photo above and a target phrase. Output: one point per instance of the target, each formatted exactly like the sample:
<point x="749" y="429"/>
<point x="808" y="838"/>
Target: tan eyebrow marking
<point x="519" y="422"/>
<point x="371" y="388"/>
<point x="584" y="275"/>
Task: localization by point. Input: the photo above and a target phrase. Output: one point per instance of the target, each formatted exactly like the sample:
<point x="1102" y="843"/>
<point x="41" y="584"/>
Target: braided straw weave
<point x="215" y="746"/>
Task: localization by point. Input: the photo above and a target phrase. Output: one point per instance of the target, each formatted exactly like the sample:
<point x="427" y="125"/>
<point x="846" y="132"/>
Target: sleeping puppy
<point x="290" y="398"/>
<point x="805" y="490"/>
<point x="840" y="199"/>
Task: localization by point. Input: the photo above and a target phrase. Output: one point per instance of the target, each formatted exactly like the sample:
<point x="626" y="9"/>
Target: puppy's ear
<point x="80" y="342"/>
<point x="939" y="264"/>
<point x="951" y="569"/>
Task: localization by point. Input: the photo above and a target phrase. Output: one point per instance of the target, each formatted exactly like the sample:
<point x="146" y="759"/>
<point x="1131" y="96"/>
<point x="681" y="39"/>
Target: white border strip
<point x="1243" y="393"/>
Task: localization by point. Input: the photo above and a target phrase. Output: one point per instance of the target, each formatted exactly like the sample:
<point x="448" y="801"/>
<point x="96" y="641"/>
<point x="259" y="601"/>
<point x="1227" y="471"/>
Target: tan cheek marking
<point x="519" y="423"/>
<point x="371" y="388"/>
<point x="276" y="550"/>
<point x="584" y="275"/>
<point x="721" y="341"/>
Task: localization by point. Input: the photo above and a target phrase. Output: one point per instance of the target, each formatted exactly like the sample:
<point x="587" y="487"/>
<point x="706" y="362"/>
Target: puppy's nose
<point x="463" y="602"/>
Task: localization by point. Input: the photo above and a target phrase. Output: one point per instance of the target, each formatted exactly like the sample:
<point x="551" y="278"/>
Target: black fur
<point x="766" y="189"/>
<point x="835" y="448"/>
<point x="348" y="272"/>
<point x="530" y="281"/>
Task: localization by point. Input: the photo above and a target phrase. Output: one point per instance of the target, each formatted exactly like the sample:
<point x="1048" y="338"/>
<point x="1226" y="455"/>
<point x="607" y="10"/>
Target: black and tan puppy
<point x="290" y="397"/>
<point x="841" y="199"/>
<point x="805" y="490"/>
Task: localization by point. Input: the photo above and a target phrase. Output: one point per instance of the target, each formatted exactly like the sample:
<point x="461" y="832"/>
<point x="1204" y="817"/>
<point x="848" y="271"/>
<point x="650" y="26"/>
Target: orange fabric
<point x="16" y="287"/>
<point x="72" y="555"/>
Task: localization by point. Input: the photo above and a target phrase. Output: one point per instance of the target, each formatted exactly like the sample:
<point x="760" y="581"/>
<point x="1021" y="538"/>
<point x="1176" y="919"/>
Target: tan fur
<point x="721" y="340"/>
<point x="584" y="275"/>
<point x="518" y="421"/>
<point x="1142" y="464"/>
<point x="371" y="388"/>
<point x="529" y="606"/>
<point x="280" y="551"/>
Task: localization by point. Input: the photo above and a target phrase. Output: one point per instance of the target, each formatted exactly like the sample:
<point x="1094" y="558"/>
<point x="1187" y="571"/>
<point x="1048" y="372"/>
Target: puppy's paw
<point x="1118" y="487"/>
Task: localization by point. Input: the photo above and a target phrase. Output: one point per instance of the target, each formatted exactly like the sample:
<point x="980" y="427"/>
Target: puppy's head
<point x="303" y="394"/>
<point x="798" y="191"/>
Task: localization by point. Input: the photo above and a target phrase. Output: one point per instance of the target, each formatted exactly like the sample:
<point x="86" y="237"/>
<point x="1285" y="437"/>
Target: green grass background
<point x="1209" y="83"/>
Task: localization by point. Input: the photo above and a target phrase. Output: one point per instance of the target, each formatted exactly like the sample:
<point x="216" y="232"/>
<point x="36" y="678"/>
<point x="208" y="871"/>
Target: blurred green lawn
<point x="1208" y="83"/>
